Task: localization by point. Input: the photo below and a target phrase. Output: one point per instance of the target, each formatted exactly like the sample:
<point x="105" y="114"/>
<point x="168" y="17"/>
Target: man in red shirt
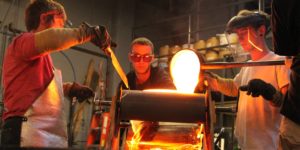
<point x="33" y="90"/>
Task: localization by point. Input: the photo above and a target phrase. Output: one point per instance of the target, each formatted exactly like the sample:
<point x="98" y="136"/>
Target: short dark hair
<point x="247" y="18"/>
<point x="38" y="7"/>
<point x="143" y="41"/>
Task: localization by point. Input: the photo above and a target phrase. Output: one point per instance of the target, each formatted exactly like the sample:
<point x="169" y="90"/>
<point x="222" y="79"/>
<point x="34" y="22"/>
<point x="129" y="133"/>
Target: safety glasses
<point x="138" y="57"/>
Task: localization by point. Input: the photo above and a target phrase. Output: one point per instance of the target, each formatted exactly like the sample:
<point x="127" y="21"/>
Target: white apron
<point x="46" y="121"/>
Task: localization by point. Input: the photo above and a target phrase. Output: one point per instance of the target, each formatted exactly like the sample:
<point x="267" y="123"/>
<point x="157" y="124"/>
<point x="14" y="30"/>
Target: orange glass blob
<point x="185" y="70"/>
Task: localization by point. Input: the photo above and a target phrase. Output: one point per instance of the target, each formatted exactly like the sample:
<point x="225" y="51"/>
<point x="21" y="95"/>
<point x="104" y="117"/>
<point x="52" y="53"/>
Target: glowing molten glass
<point x="194" y="136"/>
<point x="185" y="69"/>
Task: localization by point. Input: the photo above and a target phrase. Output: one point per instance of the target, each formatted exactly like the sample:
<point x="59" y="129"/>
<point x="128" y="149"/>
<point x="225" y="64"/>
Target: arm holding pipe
<point x="55" y="39"/>
<point x="223" y="85"/>
<point x="227" y="86"/>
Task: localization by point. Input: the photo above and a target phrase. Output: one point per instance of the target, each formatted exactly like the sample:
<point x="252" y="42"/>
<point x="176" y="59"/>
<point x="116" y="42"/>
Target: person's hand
<point x="80" y="92"/>
<point x="212" y="80"/>
<point x="257" y="87"/>
<point x="101" y="37"/>
<point x="288" y="62"/>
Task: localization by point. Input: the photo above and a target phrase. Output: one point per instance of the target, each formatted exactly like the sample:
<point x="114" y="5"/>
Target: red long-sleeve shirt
<point x="26" y="74"/>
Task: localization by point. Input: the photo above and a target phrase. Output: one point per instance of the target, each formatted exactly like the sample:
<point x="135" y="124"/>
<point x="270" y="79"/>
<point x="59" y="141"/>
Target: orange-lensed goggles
<point x="138" y="57"/>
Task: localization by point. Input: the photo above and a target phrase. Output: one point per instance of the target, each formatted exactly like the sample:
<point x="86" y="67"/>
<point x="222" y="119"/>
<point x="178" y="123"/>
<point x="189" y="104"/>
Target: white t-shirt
<point x="257" y="122"/>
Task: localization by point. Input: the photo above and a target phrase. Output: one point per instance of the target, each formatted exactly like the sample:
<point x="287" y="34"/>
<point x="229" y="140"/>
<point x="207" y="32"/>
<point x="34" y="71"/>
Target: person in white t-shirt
<point x="257" y="123"/>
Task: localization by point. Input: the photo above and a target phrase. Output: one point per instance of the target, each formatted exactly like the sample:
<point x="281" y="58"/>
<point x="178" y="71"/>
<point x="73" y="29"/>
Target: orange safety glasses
<point x="138" y="57"/>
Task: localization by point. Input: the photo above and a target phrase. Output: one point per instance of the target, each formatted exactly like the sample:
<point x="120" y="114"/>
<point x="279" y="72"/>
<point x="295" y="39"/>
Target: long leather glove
<point x="101" y="39"/>
<point x="81" y="92"/>
<point x="223" y="85"/>
<point x="258" y="87"/>
<point x="56" y="39"/>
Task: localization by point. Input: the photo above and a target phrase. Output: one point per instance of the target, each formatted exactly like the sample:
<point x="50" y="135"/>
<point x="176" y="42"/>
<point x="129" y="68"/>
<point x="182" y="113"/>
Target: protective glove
<point x="80" y="92"/>
<point x="212" y="80"/>
<point x="101" y="37"/>
<point x="257" y="87"/>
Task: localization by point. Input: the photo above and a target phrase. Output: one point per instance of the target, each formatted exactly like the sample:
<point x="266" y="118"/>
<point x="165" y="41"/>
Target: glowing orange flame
<point x="185" y="69"/>
<point x="137" y="126"/>
<point x="200" y="135"/>
<point x="135" y="142"/>
<point x="171" y="146"/>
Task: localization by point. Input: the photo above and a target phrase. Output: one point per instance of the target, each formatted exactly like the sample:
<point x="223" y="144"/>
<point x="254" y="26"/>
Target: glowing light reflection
<point x="185" y="69"/>
<point x="135" y="142"/>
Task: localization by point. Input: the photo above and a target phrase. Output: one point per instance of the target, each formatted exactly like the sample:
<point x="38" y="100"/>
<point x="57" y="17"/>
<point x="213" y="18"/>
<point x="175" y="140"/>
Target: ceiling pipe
<point x="261" y="5"/>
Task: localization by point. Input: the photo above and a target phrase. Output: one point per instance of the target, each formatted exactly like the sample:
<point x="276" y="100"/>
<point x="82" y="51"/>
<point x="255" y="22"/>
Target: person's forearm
<point x="54" y="39"/>
<point x="227" y="87"/>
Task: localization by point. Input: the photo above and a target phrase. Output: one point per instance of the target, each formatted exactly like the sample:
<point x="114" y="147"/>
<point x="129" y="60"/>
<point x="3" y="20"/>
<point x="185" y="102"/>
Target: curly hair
<point x="38" y="7"/>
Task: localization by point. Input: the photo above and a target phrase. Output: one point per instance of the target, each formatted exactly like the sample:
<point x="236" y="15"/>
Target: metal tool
<point x="110" y="53"/>
<point x="224" y="65"/>
<point x="117" y="66"/>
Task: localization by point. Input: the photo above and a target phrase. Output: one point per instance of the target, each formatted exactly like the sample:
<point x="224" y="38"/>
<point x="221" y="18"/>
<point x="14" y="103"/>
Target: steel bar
<point x="224" y="65"/>
<point x="261" y="5"/>
<point x="105" y="103"/>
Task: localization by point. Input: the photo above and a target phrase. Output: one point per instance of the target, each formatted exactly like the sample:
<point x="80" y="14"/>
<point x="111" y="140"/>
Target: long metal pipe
<point x="6" y="33"/>
<point x="189" y="30"/>
<point x="261" y="5"/>
<point x="2" y="52"/>
<point x="224" y="65"/>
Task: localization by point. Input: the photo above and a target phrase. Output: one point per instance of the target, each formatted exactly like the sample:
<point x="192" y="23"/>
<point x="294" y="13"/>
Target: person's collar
<point x="265" y="55"/>
<point x="145" y="77"/>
